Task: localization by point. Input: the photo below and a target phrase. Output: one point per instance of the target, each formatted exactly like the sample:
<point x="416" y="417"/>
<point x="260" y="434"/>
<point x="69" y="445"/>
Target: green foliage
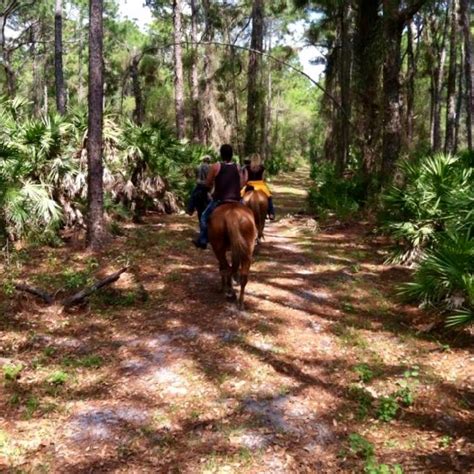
<point x="432" y="218"/>
<point x="11" y="372"/>
<point x="437" y="195"/>
<point x="43" y="169"/>
<point x="362" y="448"/>
<point x="388" y="408"/>
<point x="445" y="276"/>
<point x="89" y="362"/>
<point x="363" y="398"/>
<point x="58" y="378"/>
<point x="330" y="193"/>
<point x="364" y="372"/>
<point x="74" y="280"/>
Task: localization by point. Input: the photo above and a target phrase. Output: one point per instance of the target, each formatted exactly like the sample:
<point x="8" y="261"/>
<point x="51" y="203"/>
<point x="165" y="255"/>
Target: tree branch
<point x="269" y="56"/>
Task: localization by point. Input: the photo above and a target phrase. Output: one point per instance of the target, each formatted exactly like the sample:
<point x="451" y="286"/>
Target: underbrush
<point x="43" y="170"/>
<point x="429" y="214"/>
<point x="331" y="194"/>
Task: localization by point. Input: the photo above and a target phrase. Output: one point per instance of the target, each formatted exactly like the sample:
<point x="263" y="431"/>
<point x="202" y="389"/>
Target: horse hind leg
<point x="244" y="276"/>
<point x="226" y="279"/>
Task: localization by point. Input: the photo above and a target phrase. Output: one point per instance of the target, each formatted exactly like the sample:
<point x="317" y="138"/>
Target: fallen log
<point x="76" y="298"/>
<point x="81" y="295"/>
<point x="45" y="296"/>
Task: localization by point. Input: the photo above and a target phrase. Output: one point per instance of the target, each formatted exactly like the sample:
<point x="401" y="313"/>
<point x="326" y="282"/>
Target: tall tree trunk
<point x="268" y="106"/>
<point x="139" y="112"/>
<point x="345" y="59"/>
<point x="6" y="54"/>
<point x="36" y="79"/>
<point x="451" y="85"/>
<point x="410" y="84"/>
<point x="178" y="71"/>
<point x="394" y="21"/>
<point x="391" y="87"/>
<point x="58" y="58"/>
<point x="195" y="105"/>
<point x="367" y="85"/>
<point x="437" y="74"/>
<point x="468" y="67"/>
<point x="254" y="94"/>
<point x="80" y="74"/>
<point x="459" y="99"/>
<point x="95" y="196"/>
<point x="206" y="118"/>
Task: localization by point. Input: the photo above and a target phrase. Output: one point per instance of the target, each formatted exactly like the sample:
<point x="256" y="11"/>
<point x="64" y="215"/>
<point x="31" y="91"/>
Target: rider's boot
<point x="271" y="209"/>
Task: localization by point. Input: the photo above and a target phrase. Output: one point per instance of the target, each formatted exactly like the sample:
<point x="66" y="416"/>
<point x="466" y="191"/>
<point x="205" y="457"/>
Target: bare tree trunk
<point x="254" y="94"/>
<point x="6" y="53"/>
<point x="451" y="86"/>
<point x="268" y="107"/>
<point x="58" y="58"/>
<point x="95" y="197"/>
<point x="36" y="80"/>
<point x="391" y="88"/>
<point x="394" y="20"/>
<point x="138" y="113"/>
<point x="178" y="71"/>
<point x="410" y="85"/>
<point x="45" y="100"/>
<point x="468" y="67"/>
<point x="80" y="74"/>
<point x="344" y="112"/>
<point x="206" y="118"/>
<point x="196" y="106"/>
<point x="366" y="85"/>
<point x="459" y="99"/>
<point x="437" y="74"/>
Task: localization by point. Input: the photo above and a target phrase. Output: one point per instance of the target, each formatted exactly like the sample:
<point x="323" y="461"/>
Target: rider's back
<point x="227" y="183"/>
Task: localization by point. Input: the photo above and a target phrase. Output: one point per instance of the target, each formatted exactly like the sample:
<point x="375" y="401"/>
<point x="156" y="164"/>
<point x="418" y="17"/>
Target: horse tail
<point x="239" y="246"/>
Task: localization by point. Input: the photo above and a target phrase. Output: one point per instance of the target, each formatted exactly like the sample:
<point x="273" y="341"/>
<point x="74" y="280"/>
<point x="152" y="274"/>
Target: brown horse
<point x="231" y="227"/>
<point x="257" y="201"/>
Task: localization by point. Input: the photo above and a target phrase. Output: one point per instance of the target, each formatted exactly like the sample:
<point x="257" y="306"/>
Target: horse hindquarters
<point x="257" y="201"/>
<point x="242" y="235"/>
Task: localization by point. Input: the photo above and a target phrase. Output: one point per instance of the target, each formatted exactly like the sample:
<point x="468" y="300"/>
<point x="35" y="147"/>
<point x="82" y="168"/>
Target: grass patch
<point x="58" y="377"/>
<point x="89" y="362"/>
<point x="363" y="449"/>
<point x="364" y="372"/>
<point x="11" y="372"/>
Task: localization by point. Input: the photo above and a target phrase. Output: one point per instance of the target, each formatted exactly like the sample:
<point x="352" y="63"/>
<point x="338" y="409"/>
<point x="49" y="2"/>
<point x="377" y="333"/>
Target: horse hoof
<point x="231" y="296"/>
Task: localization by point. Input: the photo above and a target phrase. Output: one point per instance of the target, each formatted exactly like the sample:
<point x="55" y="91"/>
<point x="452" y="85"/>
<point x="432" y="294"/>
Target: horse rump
<point x="232" y="227"/>
<point x="257" y="201"/>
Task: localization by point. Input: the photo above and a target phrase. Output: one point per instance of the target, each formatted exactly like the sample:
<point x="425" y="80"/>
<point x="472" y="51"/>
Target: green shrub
<point x="330" y="193"/>
<point x="388" y="408"/>
<point x="437" y="195"/>
<point x="445" y="278"/>
<point x="431" y="216"/>
<point x="12" y="372"/>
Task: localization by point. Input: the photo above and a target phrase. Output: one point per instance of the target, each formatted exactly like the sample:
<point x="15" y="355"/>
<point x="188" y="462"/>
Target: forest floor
<point x="325" y="370"/>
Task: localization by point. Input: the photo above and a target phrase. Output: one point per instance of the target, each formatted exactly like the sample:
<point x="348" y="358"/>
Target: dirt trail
<point x="184" y="382"/>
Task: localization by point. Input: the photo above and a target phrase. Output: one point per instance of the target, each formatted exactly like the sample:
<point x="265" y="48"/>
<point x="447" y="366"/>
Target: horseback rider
<point x="199" y="197"/>
<point x="227" y="179"/>
<point x="255" y="170"/>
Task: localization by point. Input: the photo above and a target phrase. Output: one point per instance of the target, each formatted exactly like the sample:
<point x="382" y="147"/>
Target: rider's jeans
<point x="271" y="208"/>
<point x="203" y="239"/>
